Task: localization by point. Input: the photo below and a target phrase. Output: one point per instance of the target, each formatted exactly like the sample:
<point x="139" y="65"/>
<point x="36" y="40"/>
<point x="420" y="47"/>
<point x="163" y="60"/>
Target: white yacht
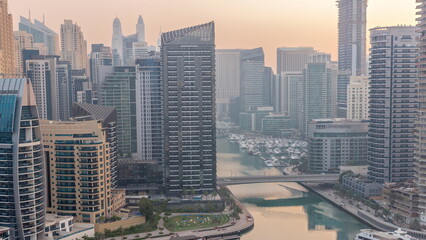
<point x="368" y="234"/>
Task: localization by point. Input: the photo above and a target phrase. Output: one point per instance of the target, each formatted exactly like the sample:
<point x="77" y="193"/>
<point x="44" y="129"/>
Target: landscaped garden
<point x="191" y="222"/>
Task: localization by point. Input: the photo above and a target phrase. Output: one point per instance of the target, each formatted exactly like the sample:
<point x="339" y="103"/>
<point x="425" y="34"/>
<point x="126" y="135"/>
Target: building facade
<point x="336" y="142"/>
<point x="23" y="40"/>
<point x="100" y="56"/>
<point x="352" y="28"/>
<point x="108" y="117"/>
<point x="78" y="169"/>
<point x="22" y="168"/>
<point x="188" y="62"/>
<point x="252" y="79"/>
<point x="149" y="107"/>
<point x="393" y="103"/>
<point x="73" y="45"/>
<point x="294" y="59"/>
<point x="7" y="44"/>
<point x="420" y="150"/>
<point x="320" y="81"/>
<point x="118" y="89"/>
<point x="358" y="98"/>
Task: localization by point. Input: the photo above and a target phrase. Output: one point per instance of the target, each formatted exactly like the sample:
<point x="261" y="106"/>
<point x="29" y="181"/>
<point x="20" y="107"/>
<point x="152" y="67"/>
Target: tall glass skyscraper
<point x="22" y="195"/>
<point x="188" y="62"/>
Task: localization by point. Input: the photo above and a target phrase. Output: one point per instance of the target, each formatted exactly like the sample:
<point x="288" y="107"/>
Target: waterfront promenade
<point x="243" y="225"/>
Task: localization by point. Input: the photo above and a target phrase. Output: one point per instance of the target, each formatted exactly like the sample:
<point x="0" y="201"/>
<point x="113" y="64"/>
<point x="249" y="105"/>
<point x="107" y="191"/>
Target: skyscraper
<point x="149" y="109"/>
<point x="118" y="86"/>
<point x="188" y="62"/>
<point x="43" y="36"/>
<point x="22" y="167"/>
<point x="252" y="79"/>
<point x="320" y="80"/>
<point x="420" y="150"/>
<point x="227" y="79"/>
<point x="393" y="103"/>
<point x="117" y="42"/>
<point x="73" y="45"/>
<point x="352" y="46"/>
<point x="7" y="44"/>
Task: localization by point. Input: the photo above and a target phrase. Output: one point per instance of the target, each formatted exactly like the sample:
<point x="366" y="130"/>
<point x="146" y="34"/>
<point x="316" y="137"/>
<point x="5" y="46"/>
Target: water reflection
<point x="283" y="210"/>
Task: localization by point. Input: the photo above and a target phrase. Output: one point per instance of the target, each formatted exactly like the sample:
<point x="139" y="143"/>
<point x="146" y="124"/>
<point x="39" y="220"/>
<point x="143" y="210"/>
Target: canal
<point x="282" y="211"/>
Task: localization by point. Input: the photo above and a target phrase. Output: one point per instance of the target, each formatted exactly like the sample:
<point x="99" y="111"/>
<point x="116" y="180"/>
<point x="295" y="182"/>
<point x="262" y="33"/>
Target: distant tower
<point x="117" y="42"/>
<point x="140" y="30"/>
<point x="7" y="53"/>
<point x="352" y="46"/>
<point x="73" y="45"/>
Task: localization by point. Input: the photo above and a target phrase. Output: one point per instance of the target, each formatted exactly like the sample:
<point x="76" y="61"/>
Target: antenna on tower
<point x="29" y="15"/>
<point x="44" y="19"/>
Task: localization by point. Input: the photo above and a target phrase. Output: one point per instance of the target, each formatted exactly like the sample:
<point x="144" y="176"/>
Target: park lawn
<point x="192" y="222"/>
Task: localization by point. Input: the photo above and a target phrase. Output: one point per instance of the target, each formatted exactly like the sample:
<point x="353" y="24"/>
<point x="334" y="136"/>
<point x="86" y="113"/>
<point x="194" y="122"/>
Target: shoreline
<point x="359" y="214"/>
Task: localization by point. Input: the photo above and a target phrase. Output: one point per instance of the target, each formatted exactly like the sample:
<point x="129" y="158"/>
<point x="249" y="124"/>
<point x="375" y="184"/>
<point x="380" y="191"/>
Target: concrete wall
<point x="100" y="227"/>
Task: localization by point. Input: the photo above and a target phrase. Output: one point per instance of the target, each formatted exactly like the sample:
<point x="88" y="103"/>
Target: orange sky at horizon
<point x="239" y="23"/>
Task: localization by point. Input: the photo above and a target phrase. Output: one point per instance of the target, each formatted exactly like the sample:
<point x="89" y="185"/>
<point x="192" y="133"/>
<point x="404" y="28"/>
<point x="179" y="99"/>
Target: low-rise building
<point x="361" y="186"/>
<point x="402" y="199"/>
<point x="64" y="228"/>
<point x="336" y="142"/>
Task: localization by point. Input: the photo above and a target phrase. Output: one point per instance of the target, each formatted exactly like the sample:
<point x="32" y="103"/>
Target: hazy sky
<point x="239" y="23"/>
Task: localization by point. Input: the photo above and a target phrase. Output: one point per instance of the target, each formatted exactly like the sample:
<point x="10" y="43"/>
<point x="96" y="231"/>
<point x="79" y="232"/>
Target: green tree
<point x="146" y="208"/>
<point x="99" y="236"/>
<point x="398" y="218"/>
<point x="214" y="194"/>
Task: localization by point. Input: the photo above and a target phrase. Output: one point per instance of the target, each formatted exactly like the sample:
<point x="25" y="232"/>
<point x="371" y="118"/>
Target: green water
<point x="282" y="211"/>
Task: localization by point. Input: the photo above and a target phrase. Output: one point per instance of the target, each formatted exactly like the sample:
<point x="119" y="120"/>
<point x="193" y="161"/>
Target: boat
<point x="269" y="163"/>
<point x="368" y="234"/>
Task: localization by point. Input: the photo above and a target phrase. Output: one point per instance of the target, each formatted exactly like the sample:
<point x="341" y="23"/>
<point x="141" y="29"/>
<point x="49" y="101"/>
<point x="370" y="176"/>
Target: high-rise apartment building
<point x="149" y="107"/>
<point x="393" y="103"/>
<point x="420" y="150"/>
<point x="7" y="44"/>
<point x="118" y="89"/>
<point x="252" y="79"/>
<point x="320" y="82"/>
<point x="358" y="98"/>
<point x="23" y="40"/>
<point x="188" y="63"/>
<point x="100" y="56"/>
<point x="22" y="179"/>
<point x="45" y="39"/>
<point x="73" y="45"/>
<point x="352" y="46"/>
<point x="292" y="98"/>
<point x="78" y="169"/>
<point x="108" y="117"/>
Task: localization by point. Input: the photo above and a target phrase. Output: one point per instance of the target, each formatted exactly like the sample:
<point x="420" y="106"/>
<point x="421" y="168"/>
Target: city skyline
<point x="262" y="19"/>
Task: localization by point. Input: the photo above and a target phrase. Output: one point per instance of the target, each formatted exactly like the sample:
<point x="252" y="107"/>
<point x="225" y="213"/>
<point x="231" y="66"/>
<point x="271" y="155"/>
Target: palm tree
<point x="206" y="194"/>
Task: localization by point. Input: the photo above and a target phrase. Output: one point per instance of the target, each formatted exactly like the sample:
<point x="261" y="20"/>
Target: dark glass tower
<point x="22" y="196"/>
<point x="188" y="62"/>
